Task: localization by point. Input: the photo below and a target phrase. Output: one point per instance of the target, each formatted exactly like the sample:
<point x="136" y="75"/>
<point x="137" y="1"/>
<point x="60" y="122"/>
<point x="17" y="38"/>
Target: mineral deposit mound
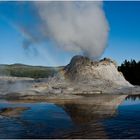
<point x="82" y="75"/>
<point x="83" y="69"/>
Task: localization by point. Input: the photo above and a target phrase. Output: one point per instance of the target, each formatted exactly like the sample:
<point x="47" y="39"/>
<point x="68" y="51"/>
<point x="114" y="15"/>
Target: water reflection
<point x="42" y="120"/>
<point x="76" y="118"/>
<point x="88" y="113"/>
<point x="126" y="124"/>
<point x="133" y="97"/>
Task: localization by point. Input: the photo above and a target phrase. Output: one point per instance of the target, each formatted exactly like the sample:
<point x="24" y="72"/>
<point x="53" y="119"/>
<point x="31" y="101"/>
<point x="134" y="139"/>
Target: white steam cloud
<point x="75" y="26"/>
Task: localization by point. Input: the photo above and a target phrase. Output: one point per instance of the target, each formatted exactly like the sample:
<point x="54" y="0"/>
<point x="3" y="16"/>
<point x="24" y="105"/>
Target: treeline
<point x="27" y="71"/>
<point x="131" y="71"/>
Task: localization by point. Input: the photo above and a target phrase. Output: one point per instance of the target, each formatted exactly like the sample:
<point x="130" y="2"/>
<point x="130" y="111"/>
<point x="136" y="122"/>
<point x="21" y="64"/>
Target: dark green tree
<point x="131" y="71"/>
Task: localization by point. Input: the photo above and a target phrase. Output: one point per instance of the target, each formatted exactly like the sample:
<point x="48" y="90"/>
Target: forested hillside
<point x="20" y="70"/>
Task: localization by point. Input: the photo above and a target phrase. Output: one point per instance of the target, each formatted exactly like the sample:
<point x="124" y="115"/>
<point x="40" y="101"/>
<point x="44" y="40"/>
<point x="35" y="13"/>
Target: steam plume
<point x="80" y="27"/>
<point x="75" y="26"/>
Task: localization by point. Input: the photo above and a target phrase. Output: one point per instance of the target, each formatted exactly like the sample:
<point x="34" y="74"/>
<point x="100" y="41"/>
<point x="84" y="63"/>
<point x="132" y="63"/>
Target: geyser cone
<point x="82" y="69"/>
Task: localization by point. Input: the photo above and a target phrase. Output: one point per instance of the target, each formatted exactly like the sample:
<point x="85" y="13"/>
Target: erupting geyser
<point x="80" y="27"/>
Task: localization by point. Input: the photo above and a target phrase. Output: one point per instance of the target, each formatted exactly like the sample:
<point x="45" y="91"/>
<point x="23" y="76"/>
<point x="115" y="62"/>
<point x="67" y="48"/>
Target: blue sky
<point x="123" y="42"/>
<point x="124" y="37"/>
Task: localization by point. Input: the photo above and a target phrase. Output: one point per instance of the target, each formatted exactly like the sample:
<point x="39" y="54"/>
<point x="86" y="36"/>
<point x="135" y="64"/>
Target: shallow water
<point x="126" y="124"/>
<point x="42" y="120"/>
<point x="74" y="120"/>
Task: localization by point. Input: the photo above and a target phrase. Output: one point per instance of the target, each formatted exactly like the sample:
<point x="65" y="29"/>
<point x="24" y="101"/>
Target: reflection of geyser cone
<point x="92" y="108"/>
<point x="87" y="113"/>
